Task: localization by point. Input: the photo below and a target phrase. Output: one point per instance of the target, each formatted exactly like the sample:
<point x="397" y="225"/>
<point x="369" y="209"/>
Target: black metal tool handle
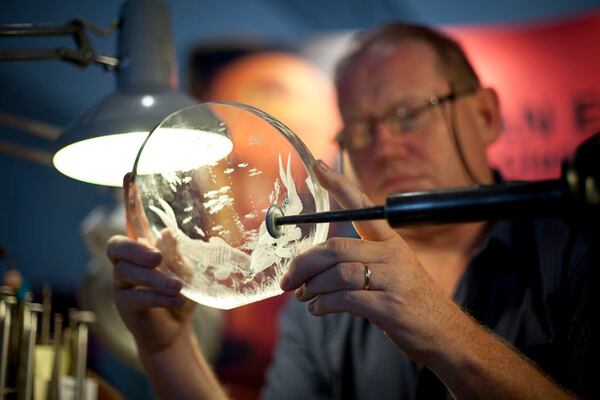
<point x="509" y="200"/>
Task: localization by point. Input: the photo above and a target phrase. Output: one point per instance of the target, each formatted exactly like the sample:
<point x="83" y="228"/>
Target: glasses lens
<point x="404" y="120"/>
<point x="356" y="135"/>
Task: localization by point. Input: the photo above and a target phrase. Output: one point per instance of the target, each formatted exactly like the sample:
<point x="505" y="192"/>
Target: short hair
<point x="452" y="60"/>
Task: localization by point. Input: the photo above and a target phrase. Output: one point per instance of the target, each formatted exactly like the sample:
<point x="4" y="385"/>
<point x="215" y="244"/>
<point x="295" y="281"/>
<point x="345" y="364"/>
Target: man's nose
<point x="387" y="143"/>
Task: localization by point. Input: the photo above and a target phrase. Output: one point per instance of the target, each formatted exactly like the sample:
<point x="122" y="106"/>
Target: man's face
<point x="405" y="74"/>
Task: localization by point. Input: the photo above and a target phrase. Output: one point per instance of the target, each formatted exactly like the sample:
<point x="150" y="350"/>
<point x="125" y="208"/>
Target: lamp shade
<point x="101" y="145"/>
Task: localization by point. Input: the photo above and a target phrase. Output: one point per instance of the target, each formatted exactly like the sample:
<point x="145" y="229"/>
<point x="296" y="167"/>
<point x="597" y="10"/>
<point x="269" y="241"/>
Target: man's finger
<point x="127" y="275"/>
<point x="342" y="276"/>
<point x="121" y="248"/>
<point x="319" y="258"/>
<point x="349" y="196"/>
<point x="359" y="303"/>
<point x="138" y="226"/>
<point x="139" y="299"/>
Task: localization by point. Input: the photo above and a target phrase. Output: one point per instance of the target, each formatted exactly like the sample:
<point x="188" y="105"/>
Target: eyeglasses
<point x="358" y="134"/>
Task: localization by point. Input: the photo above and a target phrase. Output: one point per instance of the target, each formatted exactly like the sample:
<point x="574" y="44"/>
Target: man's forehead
<point x="391" y="47"/>
<point x="407" y="56"/>
<point x="391" y="71"/>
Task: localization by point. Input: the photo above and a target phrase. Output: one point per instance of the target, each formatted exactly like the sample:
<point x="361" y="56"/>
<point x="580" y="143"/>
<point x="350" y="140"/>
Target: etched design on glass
<point x="202" y="261"/>
<point x="269" y="250"/>
<point x="199" y="254"/>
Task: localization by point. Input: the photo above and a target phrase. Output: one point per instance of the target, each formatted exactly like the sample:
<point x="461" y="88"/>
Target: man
<point x="480" y="310"/>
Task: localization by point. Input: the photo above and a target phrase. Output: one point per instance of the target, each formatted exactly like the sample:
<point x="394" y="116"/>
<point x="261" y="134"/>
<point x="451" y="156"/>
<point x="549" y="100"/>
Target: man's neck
<point x="462" y="238"/>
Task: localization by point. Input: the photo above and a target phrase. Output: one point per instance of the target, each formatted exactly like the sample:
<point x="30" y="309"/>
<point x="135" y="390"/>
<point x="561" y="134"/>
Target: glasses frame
<point x="401" y="113"/>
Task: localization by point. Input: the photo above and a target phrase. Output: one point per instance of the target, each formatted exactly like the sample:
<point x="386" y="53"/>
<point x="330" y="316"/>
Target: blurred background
<point x="542" y="56"/>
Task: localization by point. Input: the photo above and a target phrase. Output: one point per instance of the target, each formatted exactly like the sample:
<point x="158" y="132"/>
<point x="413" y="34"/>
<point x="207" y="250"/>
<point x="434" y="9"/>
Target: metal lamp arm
<point x="83" y="56"/>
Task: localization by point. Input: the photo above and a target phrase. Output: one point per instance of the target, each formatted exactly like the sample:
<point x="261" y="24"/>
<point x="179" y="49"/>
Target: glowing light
<point x="105" y="160"/>
<point x="147" y="101"/>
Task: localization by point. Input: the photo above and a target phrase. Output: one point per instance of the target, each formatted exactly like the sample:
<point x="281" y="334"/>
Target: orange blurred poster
<point x="548" y="79"/>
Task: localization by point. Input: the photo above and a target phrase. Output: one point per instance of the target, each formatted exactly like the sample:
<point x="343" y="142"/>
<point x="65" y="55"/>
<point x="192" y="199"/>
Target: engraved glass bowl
<point x="201" y="185"/>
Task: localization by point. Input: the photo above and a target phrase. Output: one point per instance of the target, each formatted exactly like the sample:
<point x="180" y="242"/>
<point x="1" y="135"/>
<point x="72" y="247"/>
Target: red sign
<point x="548" y="79"/>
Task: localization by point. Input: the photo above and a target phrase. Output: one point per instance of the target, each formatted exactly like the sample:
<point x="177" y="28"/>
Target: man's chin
<point x="380" y="193"/>
<point x="407" y="186"/>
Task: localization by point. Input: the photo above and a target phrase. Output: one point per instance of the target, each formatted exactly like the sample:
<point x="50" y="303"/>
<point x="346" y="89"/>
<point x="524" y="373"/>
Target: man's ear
<point x="488" y="111"/>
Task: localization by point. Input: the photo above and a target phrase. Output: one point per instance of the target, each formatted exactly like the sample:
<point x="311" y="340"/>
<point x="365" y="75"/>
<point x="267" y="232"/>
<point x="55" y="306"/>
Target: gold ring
<point x="367" y="281"/>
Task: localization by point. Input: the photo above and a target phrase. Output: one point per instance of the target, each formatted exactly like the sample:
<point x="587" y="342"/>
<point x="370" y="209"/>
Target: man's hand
<point x="402" y="300"/>
<point x="159" y="318"/>
<point x="147" y="299"/>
